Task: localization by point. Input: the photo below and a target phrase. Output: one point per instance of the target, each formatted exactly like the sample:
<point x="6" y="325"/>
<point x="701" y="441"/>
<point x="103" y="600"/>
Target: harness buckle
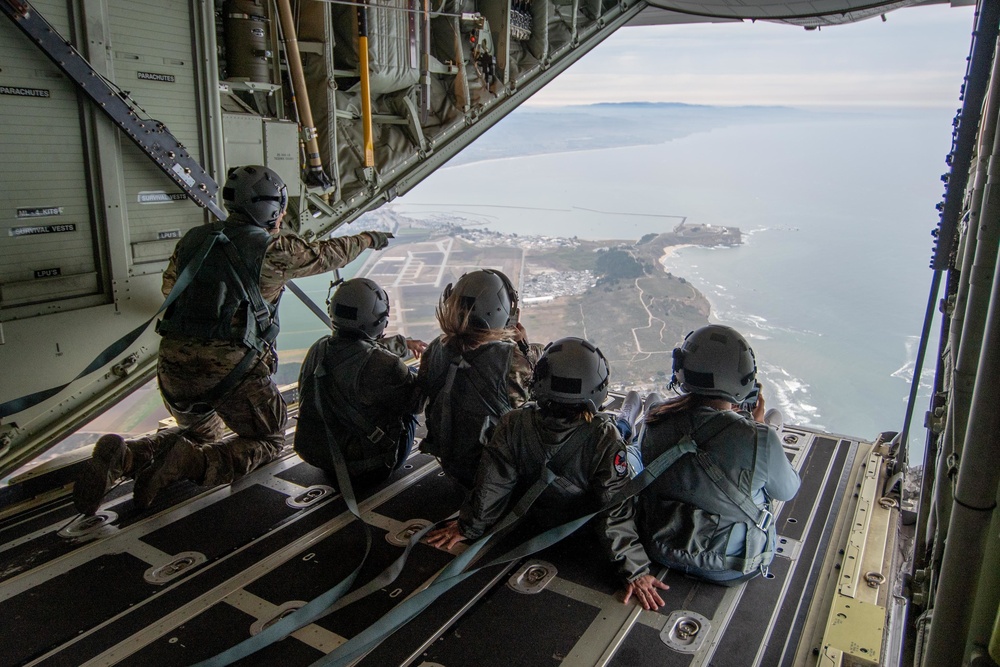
<point x="766" y="519"/>
<point x="376" y="435"/>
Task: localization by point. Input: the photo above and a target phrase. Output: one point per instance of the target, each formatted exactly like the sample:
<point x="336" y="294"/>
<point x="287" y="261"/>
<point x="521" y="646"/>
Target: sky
<point x="915" y="58"/>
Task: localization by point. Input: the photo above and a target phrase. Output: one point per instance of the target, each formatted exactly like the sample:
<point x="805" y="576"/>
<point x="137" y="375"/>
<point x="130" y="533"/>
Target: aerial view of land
<point x="616" y="294"/>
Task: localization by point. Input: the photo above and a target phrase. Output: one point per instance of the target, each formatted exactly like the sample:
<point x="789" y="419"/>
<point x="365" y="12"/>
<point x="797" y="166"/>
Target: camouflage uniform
<point x="187" y="368"/>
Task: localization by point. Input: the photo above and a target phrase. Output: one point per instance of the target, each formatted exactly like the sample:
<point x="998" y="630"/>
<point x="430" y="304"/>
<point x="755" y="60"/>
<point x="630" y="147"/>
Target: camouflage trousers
<point x="253" y="410"/>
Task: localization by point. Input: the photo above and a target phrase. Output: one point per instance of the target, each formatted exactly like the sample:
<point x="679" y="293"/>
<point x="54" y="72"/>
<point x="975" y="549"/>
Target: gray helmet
<point x="360" y="306"/>
<point x="257" y="192"/>
<point x="715" y="361"/>
<point x="489" y="296"/>
<point x="571" y="371"/>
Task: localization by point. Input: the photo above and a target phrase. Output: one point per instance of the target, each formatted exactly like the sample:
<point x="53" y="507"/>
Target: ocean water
<point x="832" y="280"/>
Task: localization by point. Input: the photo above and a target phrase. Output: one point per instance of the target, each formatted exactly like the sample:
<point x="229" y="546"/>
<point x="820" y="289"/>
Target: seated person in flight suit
<point x="356" y="393"/>
<point x="478" y="369"/>
<point x="709" y="514"/>
<point x="565" y="430"/>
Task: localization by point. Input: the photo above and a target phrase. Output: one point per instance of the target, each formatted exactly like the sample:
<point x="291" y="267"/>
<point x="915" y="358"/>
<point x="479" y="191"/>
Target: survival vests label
<point x="160" y="197"/>
<point x="39" y="212"/>
<point x="24" y="92"/>
<point x="153" y="76"/>
<point x="41" y="229"/>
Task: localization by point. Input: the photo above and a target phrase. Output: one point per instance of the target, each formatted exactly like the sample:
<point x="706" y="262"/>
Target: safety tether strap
<point x="453" y="575"/>
<point x="309" y="303"/>
<point x="17" y="405"/>
<point x="322" y="603"/>
<point x="330" y="601"/>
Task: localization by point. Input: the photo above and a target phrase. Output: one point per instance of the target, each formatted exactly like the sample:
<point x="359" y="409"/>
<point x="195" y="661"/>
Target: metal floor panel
<point x="262" y="555"/>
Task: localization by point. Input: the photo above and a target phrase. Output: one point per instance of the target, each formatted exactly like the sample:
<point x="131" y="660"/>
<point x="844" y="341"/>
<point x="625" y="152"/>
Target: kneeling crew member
<point x="356" y="393"/>
<point x="581" y="445"/>
<point x="709" y="514"/>
<point x="217" y="353"/>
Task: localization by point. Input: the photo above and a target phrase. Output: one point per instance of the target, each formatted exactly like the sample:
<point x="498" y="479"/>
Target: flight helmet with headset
<point x="360" y="306"/>
<point x="256" y="192"/>
<point x="488" y="296"/>
<point x="571" y="371"/>
<point x="715" y="361"/>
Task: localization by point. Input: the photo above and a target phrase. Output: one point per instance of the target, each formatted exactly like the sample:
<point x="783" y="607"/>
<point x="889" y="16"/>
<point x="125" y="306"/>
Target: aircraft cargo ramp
<point x="201" y="570"/>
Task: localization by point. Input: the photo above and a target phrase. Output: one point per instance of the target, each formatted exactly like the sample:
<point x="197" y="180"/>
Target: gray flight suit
<point x="687" y="521"/>
<point x="595" y="471"/>
<point x="342" y="376"/>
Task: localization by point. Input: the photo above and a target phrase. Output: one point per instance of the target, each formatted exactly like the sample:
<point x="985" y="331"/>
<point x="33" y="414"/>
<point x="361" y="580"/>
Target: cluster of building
<point x="547" y="285"/>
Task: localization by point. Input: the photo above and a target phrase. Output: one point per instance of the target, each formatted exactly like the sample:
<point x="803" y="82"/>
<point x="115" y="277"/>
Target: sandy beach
<point x="668" y="252"/>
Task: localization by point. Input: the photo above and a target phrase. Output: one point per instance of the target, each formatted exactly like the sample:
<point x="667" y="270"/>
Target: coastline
<point x="669" y="251"/>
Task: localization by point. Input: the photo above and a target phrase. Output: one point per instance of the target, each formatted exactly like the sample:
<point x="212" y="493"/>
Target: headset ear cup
<point x="678" y="356"/>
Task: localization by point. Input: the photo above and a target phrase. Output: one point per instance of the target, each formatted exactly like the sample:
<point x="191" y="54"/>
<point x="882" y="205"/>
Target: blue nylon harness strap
<point x="331" y="601"/>
<point x="453" y="574"/>
<point x="321" y="604"/>
<point x="183" y="281"/>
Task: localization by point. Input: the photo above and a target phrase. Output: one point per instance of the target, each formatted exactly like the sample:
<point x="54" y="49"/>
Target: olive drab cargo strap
<point x="183" y="281"/>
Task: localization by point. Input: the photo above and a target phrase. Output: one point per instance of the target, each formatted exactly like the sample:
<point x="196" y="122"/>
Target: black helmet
<point x="571" y="371"/>
<point x="359" y="305"/>
<point x="257" y="192"/>
<point x="715" y="361"/>
<point x="488" y="296"/>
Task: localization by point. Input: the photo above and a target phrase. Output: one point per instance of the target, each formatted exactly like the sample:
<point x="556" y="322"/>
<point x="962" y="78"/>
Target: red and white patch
<point x="621" y="463"/>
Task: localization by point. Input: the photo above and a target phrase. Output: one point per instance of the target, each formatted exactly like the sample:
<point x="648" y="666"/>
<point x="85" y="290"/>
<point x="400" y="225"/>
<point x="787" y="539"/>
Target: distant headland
<point x="617" y="294"/>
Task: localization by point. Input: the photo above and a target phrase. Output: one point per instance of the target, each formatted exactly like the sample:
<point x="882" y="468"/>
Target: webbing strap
<point x="321" y="604"/>
<point x="332" y="600"/>
<point x="262" y="312"/>
<point x="309" y="303"/>
<point x="446" y="416"/>
<point x="17" y="405"/>
<point x="759" y="517"/>
<point x="453" y="575"/>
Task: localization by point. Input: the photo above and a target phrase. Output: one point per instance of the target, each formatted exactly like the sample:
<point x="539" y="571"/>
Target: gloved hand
<point x="379" y="239"/>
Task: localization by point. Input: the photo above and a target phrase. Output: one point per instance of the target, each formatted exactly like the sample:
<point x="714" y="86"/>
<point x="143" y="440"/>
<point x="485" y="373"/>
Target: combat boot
<point x="107" y="464"/>
<point x="182" y="461"/>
